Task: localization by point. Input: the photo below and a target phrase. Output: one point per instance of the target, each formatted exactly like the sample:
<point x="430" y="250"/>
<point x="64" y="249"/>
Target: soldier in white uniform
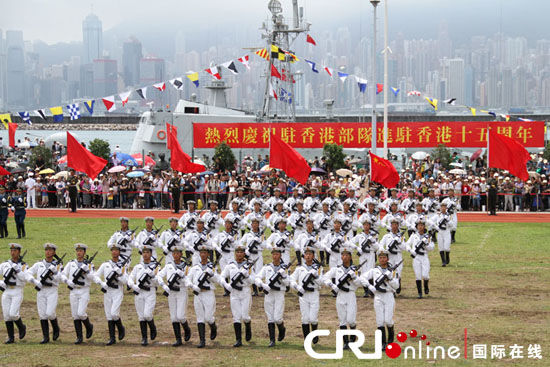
<point x="173" y="278"/>
<point x="274" y="279"/>
<point x="254" y="244"/>
<point x="307" y="280"/>
<point x="143" y="281"/>
<point x="202" y="277"/>
<point x="333" y="242"/>
<point x="281" y="239"/>
<point x="195" y="239"/>
<point x="442" y="225"/>
<point x="419" y="244"/>
<point x="453" y="206"/>
<point x="312" y="204"/>
<point x="383" y="282"/>
<point x="352" y="201"/>
<point x="14" y="277"/>
<point x="123" y="239"/>
<point x="212" y="219"/>
<point x="255" y="213"/>
<point x="389" y="200"/>
<point x="393" y="243"/>
<point x="334" y="202"/>
<point x="278" y="214"/>
<point x="297" y="221"/>
<point x="170" y="238"/>
<point x="273" y="200"/>
<point x="290" y="204"/>
<point x="310" y="238"/>
<point x="372" y="215"/>
<point x="391" y="215"/>
<point x="148" y="237"/>
<point x="343" y="281"/>
<point x="408" y="205"/>
<point x="323" y="223"/>
<point x="188" y="220"/>
<point x="224" y="245"/>
<point x="79" y="275"/>
<point x="240" y="275"/>
<point x="413" y="218"/>
<point x="112" y="275"/>
<point x="257" y="199"/>
<point x="366" y="243"/>
<point x="430" y="204"/>
<point x="48" y="275"/>
<point x="348" y="220"/>
<point x="239" y="225"/>
<point x="241" y="200"/>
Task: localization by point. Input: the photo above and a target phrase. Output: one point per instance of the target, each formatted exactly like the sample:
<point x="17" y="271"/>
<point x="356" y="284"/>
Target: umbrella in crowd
<point x="344" y="172"/>
<point x="64" y="174"/>
<point x="199" y="161"/>
<point x="456" y="164"/>
<point x="318" y="171"/>
<point x="534" y="174"/>
<point x="419" y="156"/>
<point x="476" y="154"/>
<point x="209" y="173"/>
<point x="117" y="169"/>
<point x="46" y="171"/>
<point x="62" y="160"/>
<point x="265" y="168"/>
<point x="457" y="171"/>
<point x="126" y="159"/>
<point x="139" y="159"/>
<point x="24" y="145"/>
<point x="12" y="164"/>
<point x="136" y="174"/>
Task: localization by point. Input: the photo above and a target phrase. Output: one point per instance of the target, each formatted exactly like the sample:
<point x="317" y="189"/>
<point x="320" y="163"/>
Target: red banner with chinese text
<point x="359" y="135"/>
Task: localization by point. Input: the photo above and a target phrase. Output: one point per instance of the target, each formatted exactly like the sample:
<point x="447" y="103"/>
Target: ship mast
<point x="280" y="34"/>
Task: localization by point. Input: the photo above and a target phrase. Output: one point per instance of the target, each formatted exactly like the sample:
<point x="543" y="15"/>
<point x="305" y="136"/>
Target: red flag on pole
<point x="4" y="172"/>
<point x="383" y="171"/>
<point x="12" y="127"/>
<point x="275" y="72"/>
<point x="310" y="39"/>
<point x="286" y="158"/>
<point x="507" y="153"/>
<point x="179" y="160"/>
<point x="80" y="158"/>
<point x="169" y="130"/>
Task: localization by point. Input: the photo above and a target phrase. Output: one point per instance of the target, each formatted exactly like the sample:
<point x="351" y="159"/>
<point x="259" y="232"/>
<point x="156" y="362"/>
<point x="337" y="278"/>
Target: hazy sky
<point x="61" y="20"/>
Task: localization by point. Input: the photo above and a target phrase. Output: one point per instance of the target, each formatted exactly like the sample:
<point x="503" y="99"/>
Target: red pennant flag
<point x="286" y="158"/>
<point x="379" y="88"/>
<point x="109" y="103"/>
<point x="214" y="72"/>
<point x="179" y="160"/>
<point x="310" y="39"/>
<point x="507" y="153"/>
<point x="275" y="72"/>
<point x="383" y="171"/>
<point x="80" y="158"/>
<point x="4" y="172"/>
<point x="12" y="127"/>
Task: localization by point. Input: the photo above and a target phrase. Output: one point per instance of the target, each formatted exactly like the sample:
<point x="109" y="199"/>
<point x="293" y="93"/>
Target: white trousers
<point x="240" y="305"/>
<point x="79" y="298"/>
<point x="346" y="306"/>
<point x="421" y="267"/>
<point x="309" y="307"/>
<point x="177" y="303"/>
<point x="274" y="306"/>
<point x="444" y="240"/>
<point x="205" y="307"/>
<point x="111" y="303"/>
<point x="395" y="259"/>
<point x="384" y="304"/>
<point x="11" y="303"/>
<point x="369" y="264"/>
<point x="46" y="302"/>
<point x="145" y="303"/>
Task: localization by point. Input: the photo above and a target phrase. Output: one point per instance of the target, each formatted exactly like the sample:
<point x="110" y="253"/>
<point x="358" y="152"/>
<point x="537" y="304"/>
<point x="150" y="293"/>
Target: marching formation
<point x="203" y="250"/>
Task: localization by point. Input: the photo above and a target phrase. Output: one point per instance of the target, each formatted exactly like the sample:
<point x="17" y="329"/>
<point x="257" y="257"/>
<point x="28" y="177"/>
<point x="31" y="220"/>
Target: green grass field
<point x="497" y="287"/>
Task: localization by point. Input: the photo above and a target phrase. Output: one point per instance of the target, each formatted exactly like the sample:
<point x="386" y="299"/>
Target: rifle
<point x="112" y="278"/>
<point x="238" y="278"/>
<point x="144" y="281"/>
<point x="384" y="276"/>
<point x="190" y="223"/>
<point x="204" y="278"/>
<point x="276" y="277"/>
<point x="253" y="246"/>
<point x="45" y="278"/>
<point x="443" y="222"/>
<point x="225" y="244"/>
<point x="392" y="248"/>
<point x="157" y="230"/>
<point x="173" y="282"/>
<point x="80" y="272"/>
<point x="344" y="279"/>
<point x="324" y="223"/>
<point x="418" y="249"/>
<point x="365" y="246"/>
<point x="309" y="279"/>
<point x="335" y="246"/>
<point x="11" y="273"/>
<point x="173" y="240"/>
<point x="410" y="209"/>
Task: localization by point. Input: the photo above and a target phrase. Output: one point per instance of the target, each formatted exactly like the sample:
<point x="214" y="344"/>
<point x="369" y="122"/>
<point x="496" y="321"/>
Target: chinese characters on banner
<point x="358" y="135"/>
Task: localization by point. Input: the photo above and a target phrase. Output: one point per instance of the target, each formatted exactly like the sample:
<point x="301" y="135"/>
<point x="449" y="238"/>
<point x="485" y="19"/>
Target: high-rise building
<point x="454" y="74"/>
<point x="2" y="72"/>
<point x="131" y="59"/>
<point x="506" y="78"/>
<point x="15" y="69"/>
<point x="105" y="77"/>
<point x="92" y="33"/>
<point x="152" y="70"/>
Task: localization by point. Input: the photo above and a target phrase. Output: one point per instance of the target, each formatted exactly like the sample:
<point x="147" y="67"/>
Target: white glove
<point x="165" y="287"/>
<point x="53" y="269"/>
<point x="149" y="272"/>
<point x="104" y="285"/>
<point x="372" y="288"/>
<point x="353" y="275"/>
<point x="244" y="272"/>
<point x="196" y="289"/>
<point x="301" y="289"/>
<point x="209" y="271"/>
<point x="282" y="272"/>
<point x="334" y="287"/>
<point x="313" y="272"/>
<point x="118" y="271"/>
<point x="266" y="287"/>
<point x="17" y="267"/>
<point x="136" y="288"/>
<point x="70" y="283"/>
<point x="180" y="273"/>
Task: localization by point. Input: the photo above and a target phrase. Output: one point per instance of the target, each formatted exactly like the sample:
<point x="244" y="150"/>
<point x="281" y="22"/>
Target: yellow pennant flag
<point x="263" y="53"/>
<point x="194" y="77"/>
<point x="433" y="102"/>
<point x="6" y="119"/>
<point x="473" y="110"/>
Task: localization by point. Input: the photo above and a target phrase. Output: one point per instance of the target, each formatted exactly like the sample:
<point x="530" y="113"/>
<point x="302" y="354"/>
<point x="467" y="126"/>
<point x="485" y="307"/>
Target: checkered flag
<point x="74" y="111"/>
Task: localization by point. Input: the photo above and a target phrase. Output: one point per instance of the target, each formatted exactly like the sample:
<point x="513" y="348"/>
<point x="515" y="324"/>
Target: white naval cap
<point x="14" y="246"/>
<point x="178" y="247"/>
<point x="124" y="219"/>
<point x="48" y="245"/>
<point x="80" y="246"/>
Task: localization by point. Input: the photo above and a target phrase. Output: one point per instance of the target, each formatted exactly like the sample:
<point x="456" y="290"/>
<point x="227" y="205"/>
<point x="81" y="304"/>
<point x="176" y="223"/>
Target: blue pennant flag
<point x="90" y="106"/>
<point x="343" y="76"/>
<point x="395" y="91"/>
<point x="312" y="64"/>
<point x="25" y="117"/>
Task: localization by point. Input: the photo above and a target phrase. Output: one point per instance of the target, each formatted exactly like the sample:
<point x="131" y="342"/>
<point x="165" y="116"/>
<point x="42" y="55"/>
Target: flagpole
<point x="192" y="142"/>
<point x="386" y="49"/>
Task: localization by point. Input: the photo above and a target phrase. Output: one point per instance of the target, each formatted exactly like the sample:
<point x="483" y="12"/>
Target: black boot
<point x="55" y="329"/>
<point x="6" y="230"/>
<point x="18" y="230"/>
<point x="398" y="290"/>
<point x="89" y="328"/>
<point x="453" y="236"/>
<point x="248" y="331"/>
<point x="254" y="290"/>
<point x="443" y="262"/>
<point x="352" y="338"/>
<point x="282" y="331"/>
<point x="1" y="231"/>
<point x="22" y="328"/>
<point x="121" y="329"/>
<point x="213" y="331"/>
<point x="78" y="330"/>
<point x="111" y="326"/>
<point x="316" y="339"/>
<point x="45" y="331"/>
<point x="299" y="257"/>
<point x="23" y="230"/>
<point x="177" y="334"/>
<point x="305" y="329"/>
<point x="186" y="331"/>
<point x="366" y="294"/>
<point x="346" y="338"/>
<point x="238" y="334"/>
<point x="426" y="288"/>
<point x="447" y="257"/>
<point x="152" y="329"/>
<point x="322" y="257"/>
<point x="202" y="331"/>
<point x="143" y="328"/>
<point x="271" y="330"/>
<point x="390" y="334"/>
<point x="419" y="288"/>
<point x="11" y="332"/>
<point x="383" y="330"/>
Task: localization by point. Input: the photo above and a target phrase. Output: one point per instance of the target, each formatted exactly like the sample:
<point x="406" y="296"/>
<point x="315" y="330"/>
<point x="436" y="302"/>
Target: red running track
<point x="502" y="217"/>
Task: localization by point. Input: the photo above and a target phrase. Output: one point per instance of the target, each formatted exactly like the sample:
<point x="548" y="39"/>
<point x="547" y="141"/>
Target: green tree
<point x="546" y="154"/>
<point x="224" y="159"/>
<point x="335" y="156"/>
<point x="100" y="148"/>
<point x="41" y="157"/>
<point x="444" y="155"/>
